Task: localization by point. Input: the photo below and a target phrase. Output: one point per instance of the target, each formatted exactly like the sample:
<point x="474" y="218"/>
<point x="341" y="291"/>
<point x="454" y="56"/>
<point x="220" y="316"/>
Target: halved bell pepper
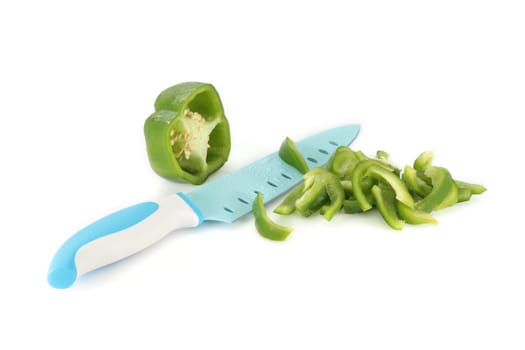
<point x="188" y="135"/>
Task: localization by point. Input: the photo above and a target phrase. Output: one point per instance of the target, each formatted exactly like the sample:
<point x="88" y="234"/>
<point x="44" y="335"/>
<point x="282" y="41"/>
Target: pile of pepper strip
<point x="352" y="182"/>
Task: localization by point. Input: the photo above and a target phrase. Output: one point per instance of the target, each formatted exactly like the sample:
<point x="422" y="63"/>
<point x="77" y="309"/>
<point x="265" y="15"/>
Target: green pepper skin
<point x="357" y="180"/>
<point x="424" y="160"/>
<point x="322" y="190"/>
<point x="473" y="188"/>
<point x="287" y="206"/>
<point x="394" y="182"/>
<point x="413" y="216"/>
<point x="264" y="225"/>
<point x="336" y="194"/>
<point x="188" y="135"/>
<point x="291" y="155"/>
<point x="443" y="189"/>
<point x="414" y="183"/>
<point x="342" y="161"/>
<point x="386" y="203"/>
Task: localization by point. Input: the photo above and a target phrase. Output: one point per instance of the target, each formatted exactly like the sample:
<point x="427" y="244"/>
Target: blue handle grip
<point x="62" y="272"/>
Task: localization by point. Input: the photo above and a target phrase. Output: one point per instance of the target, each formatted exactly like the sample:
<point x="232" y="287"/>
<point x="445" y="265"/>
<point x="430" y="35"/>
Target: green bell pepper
<point x="414" y="216"/>
<point x="386" y="203"/>
<point x="414" y="183"/>
<point x="291" y="155"/>
<point x="342" y="161"/>
<point x="264" y="225"/>
<point x="322" y="190"/>
<point x="188" y="135"/>
<point x="287" y="206"/>
<point x="444" y="191"/>
<point x="357" y="180"/>
<point x="424" y="160"/>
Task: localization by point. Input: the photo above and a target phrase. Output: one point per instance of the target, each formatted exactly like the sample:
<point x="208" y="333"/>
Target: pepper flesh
<point x="414" y="183"/>
<point x="287" y="206"/>
<point x="442" y="190"/>
<point x="188" y="135"/>
<point x="322" y="190"/>
<point x="291" y="155"/>
<point x="357" y="178"/>
<point x="385" y="202"/>
<point x="264" y="225"/>
<point x="414" y="216"/>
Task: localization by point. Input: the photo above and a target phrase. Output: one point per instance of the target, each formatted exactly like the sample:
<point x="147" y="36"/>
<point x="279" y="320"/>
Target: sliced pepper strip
<point x="394" y="182"/>
<point x="291" y="155"/>
<point x="450" y="199"/>
<point x="357" y="178"/>
<point x="287" y="206"/>
<point x="264" y="225"/>
<point x="336" y="194"/>
<point x="474" y="188"/>
<point x="442" y="184"/>
<point x="342" y="161"/>
<point x="414" y="183"/>
<point x="386" y="203"/>
<point x="424" y="160"/>
<point x="322" y="189"/>
<point x="414" y="216"/>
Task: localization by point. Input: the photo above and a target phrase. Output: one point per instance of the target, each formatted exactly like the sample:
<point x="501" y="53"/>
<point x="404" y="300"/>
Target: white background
<point x="77" y="81"/>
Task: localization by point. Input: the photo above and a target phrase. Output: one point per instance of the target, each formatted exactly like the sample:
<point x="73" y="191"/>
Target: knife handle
<point x="120" y="235"/>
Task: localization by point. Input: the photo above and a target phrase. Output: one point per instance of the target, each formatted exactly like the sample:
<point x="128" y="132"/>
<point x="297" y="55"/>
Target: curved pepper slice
<point x="287" y="206"/>
<point x="386" y="203"/>
<point x="443" y="189"/>
<point x="342" y="161"/>
<point x="188" y="135"/>
<point x="321" y="187"/>
<point x="414" y="183"/>
<point x="291" y="155"/>
<point x="394" y="182"/>
<point x="424" y="160"/>
<point x="357" y="180"/>
<point x="264" y="225"/>
<point x="466" y="190"/>
<point x="413" y="216"/>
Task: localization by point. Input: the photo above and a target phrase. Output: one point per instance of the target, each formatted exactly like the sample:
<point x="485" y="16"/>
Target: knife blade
<point x="224" y="199"/>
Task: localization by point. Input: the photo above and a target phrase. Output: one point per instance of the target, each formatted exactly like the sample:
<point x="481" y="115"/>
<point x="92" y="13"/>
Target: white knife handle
<point x="120" y="235"/>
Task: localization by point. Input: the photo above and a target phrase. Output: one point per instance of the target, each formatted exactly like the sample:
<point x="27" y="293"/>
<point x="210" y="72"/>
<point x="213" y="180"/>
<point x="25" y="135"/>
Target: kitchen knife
<point x="225" y="199"/>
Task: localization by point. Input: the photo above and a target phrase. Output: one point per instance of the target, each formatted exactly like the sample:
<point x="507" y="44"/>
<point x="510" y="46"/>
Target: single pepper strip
<point x="424" y="160"/>
<point x="287" y="206"/>
<point x="188" y="135"/>
<point x="314" y="195"/>
<point x="442" y="193"/>
<point x="291" y="155"/>
<point x="264" y="225"/>
<point x="381" y="174"/>
<point x="414" y="183"/>
<point x="357" y="180"/>
<point x="413" y="216"/>
<point x="386" y="203"/>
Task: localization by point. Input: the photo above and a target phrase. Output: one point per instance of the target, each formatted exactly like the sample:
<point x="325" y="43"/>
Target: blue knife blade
<point x="130" y="230"/>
